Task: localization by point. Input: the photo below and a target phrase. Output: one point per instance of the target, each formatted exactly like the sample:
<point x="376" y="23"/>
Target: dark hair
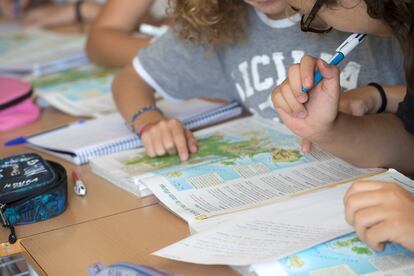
<point x="399" y="15"/>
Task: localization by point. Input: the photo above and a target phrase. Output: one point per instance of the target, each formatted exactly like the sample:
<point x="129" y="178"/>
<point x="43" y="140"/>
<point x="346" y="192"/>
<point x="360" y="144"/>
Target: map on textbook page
<point x="346" y="255"/>
<point x="9" y="42"/>
<point x="84" y="91"/>
<point x="240" y="165"/>
<point x="34" y="52"/>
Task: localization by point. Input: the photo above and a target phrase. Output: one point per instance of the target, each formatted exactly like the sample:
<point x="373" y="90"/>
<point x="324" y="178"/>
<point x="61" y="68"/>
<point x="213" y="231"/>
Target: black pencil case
<point x="31" y="190"/>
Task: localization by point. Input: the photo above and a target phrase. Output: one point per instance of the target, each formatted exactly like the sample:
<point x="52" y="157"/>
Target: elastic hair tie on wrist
<point x="78" y="13"/>
<point x="144" y="128"/>
<point x="381" y="91"/>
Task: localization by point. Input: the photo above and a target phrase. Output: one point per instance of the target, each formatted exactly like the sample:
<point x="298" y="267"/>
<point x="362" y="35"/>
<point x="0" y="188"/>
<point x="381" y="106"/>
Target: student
<point x="117" y="22"/>
<point x="380" y="212"/>
<point x="232" y="50"/>
<point x="43" y="14"/>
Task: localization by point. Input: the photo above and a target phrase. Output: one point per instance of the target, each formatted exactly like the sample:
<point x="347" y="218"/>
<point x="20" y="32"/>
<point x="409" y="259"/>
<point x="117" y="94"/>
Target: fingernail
<point x="193" y="148"/>
<point x="183" y="157"/>
<point x="307" y="82"/>
<point x="302" y="98"/>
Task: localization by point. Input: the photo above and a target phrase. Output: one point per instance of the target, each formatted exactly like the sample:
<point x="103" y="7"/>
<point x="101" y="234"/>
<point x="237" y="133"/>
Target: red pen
<point x="79" y="187"/>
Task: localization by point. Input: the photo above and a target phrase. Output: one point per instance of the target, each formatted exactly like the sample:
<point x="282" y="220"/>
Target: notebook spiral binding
<point x="220" y="114"/>
<point x="84" y="155"/>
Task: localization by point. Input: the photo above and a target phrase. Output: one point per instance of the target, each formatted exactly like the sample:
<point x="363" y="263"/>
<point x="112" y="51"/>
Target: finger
<point x="147" y="142"/>
<point x="369" y="217"/>
<point x="330" y="81"/>
<point x="191" y="141"/>
<point x="156" y="137"/>
<point x="306" y="146"/>
<point x="307" y="71"/>
<point x="344" y="106"/>
<point x="363" y="186"/>
<point x="179" y="138"/>
<point x="167" y="139"/>
<point x="295" y="83"/>
<point x="379" y="234"/>
<point x="359" y="201"/>
<point x="280" y="102"/>
<point x="298" y="109"/>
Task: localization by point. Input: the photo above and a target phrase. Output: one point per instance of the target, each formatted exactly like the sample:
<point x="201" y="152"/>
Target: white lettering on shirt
<point x="257" y="83"/>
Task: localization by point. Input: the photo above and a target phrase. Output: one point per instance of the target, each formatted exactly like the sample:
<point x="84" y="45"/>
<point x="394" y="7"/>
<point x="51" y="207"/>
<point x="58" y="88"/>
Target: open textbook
<point x="266" y="240"/>
<point x="36" y="52"/>
<point x="82" y="91"/>
<point x="240" y="164"/>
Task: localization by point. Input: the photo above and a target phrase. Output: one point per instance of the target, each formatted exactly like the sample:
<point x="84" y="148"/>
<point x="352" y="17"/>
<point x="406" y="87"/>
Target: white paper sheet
<point x="272" y="232"/>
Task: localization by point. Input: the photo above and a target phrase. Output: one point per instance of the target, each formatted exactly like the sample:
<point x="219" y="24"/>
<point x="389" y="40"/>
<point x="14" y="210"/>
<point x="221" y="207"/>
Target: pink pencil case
<point x="16" y="105"/>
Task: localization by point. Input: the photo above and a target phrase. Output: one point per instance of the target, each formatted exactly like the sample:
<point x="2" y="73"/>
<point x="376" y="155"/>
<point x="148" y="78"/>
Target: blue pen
<point x="23" y="140"/>
<point x="343" y="50"/>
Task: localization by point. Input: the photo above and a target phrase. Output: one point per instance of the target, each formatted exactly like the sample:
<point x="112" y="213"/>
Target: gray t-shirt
<point x="249" y="71"/>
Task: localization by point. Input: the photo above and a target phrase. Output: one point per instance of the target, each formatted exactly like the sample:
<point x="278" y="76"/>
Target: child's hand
<point x="360" y="101"/>
<point x="311" y="114"/>
<point x="9" y="8"/>
<point x="168" y="137"/>
<point x="381" y="212"/>
<point x="50" y="15"/>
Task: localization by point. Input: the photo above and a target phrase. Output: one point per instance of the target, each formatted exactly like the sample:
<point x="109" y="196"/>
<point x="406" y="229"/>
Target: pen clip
<point x="350" y="43"/>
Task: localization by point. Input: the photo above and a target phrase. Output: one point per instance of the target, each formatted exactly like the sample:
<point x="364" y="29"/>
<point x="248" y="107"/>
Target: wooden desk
<point x="126" y="237"/>
<point x="103" y="199"/>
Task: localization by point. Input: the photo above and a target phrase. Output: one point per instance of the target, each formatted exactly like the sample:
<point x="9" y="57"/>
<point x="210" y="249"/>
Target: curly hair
<point x="209" y="21"/>
<point x="399" y="15"/>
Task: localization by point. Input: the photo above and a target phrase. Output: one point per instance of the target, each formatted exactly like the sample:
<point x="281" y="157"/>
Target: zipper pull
<point x="5" y="223"/>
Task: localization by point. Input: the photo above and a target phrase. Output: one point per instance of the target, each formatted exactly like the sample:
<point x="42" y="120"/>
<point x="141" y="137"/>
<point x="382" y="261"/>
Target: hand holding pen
<point x="310" y="115"/>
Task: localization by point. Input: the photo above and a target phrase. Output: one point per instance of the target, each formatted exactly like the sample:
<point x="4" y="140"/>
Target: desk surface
<point x="103" y="199"/>
<point x="127" y="237"/>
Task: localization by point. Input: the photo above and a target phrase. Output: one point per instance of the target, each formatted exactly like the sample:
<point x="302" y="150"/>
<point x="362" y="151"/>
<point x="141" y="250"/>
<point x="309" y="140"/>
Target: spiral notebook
<point x="80" y="141"/>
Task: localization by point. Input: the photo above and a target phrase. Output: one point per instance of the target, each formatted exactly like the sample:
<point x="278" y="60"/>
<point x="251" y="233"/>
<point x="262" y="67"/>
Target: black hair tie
<point x="78" y="13"/>
<point x="381" y="91"/>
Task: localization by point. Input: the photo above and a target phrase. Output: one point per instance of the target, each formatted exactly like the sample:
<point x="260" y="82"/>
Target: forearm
<point x="112" y="47"/>
<point x="131" y="93"/>
<point x="370" y="141"/>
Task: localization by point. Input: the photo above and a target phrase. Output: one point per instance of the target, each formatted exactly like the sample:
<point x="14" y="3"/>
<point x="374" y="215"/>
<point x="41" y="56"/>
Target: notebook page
<point x="272" y="232"/>
<point x="80" y="136"/>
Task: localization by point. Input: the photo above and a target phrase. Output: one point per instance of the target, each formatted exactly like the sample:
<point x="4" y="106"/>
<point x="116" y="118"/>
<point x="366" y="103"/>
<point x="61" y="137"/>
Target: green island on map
<point x="354" y="244"/>
<point x="216" y="147"/>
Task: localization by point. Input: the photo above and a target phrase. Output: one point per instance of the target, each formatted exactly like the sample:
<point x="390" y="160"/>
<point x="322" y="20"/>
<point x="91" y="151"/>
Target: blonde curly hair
<point x="209" y="21"/>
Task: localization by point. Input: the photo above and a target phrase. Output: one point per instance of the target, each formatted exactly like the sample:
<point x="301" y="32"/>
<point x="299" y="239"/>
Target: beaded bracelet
<point x="141" y="111"/>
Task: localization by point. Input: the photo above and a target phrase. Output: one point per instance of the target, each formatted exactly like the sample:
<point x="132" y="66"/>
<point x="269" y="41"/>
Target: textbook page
<point x="346" y="255"/>
<point x="84" y="91"/>
<point x="244" y="164"/>
<point x="37" y="52"/>
<point x="279" y="230"/>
